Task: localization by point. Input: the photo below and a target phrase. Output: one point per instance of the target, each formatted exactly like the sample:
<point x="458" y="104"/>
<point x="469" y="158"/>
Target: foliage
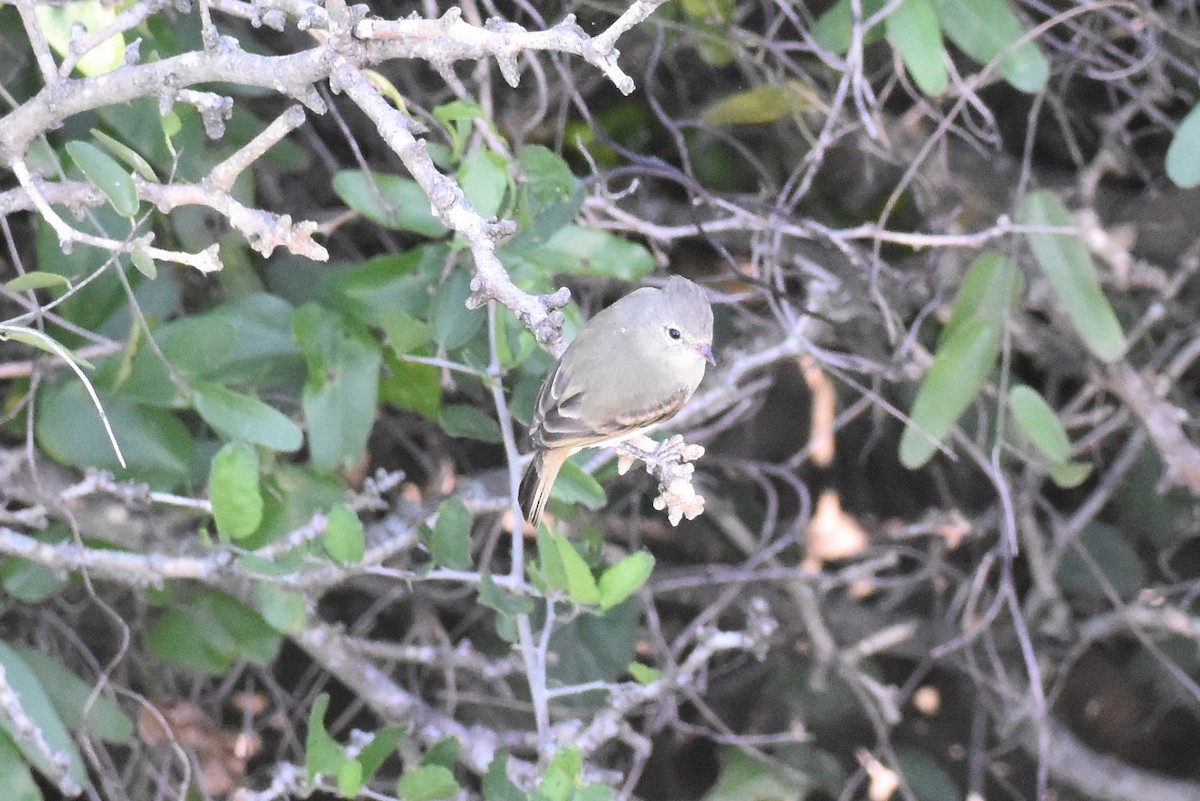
<point x="281" y="282"/>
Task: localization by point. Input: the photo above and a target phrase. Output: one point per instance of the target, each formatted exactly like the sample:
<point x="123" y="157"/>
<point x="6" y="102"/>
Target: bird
<point x="631" y="367"/>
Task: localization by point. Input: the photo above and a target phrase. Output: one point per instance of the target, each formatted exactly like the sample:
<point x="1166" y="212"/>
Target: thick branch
<point x="292" y="75"/>
<point x="449" y="39"/>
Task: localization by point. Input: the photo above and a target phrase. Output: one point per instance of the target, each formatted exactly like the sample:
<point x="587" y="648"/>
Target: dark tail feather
<point x="535" y="486"/>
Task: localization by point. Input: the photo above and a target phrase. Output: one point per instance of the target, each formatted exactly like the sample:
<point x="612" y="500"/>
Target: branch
<point x="449" y="39"/>
<point x="1105" y="778"/>
<point x="608" y="723"/>
<point x="126" y="20"/>
<point x="293" y="75"/>
<point x="41" y="48"/>
<point x="1164" y="422"/>
<point x="330" y="648"/>
<point x="206" y="261"/>
<point x="540" y="313"/>
<point x="670" y="462"/>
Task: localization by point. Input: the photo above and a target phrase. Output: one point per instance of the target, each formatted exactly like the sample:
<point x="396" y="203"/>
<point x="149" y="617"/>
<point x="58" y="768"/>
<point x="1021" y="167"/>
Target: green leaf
<point x="262" y="350"/>
<point x="594" y="648"/>
<point x="36" y="704"/>
<point x="342" y="389"/>
<point x="460" y="420"/>
<point x="1118" y="561"/>
<point x="1040" y="425"/>
<point x="715" y="11"/>
<point x="580" y="584"/>
<point x="382" y="745"/>
<point x="108" y="176"/>
<point x="458" y="116"/>
<point x="57" y="23"/>
<point x="413" y="385"/>
<point x="929" y="780"/>
<point x="644" y="674"/>
<point x="624" y="579"/>
<point x="42" y="342"/>
<point x="171" y="124"/>
<point x="345" y="541"/>
<point x="197" y="346"/>
<point x="708" y="24"/>
<point x="70" y="695"/>
<point x="1070" y="474"/>
<point x="756" y="106"/>
<point x="427" y="783"/>
<point x="140" y="374"/>
<point x="284" y="610"/>
<point x="388" y="200"/>
<point x="453" y="323"/>
<point x="835" y="28"/>
<point x="29" y="582"/>
<point x="1183" y="156"/>
<point x="286" y="564"/>
<point x="158" y="448"/>
<point x="744" y="778"/>
<point x="551" y="571"/>
<point x="483" y="177"/>
<point x="234" y="491"/>
<point x="450" y="541"/>
<point x="293" y="494"/>
<point x="573" y="485"/>
<point x="393" y="283"/>
<point x="16" y="782"/>
<point x="549" y="198"/>
<point x="126" y="154"/>
<point x="322" y="754"/>
<point x="1068" y="267"/>
<point x="960" y="368"/>
<point x="989" y="291"/>
<point x="967" y="350"/>
<point x="181" y="638"/>
<point x="36" y="280"/>
<point x="591" y="251"/>
<point x="97" y="303"/>
<point x="350" y="778"/>
<point x="593" y="792"/>
<point x="503" y="601"/>
<point x="242" y="417"/>
<point x="444" y="752"/>
<point x="144" y="263"/>
<point x="913" y="29"/>
<point x="986" y="28"/>
<point x="496" y="784"/>
<point x="404" y="332"/>
<point x="562" y="774"/>
<point x="253" y="638"/>
<point x="524" y="394"/>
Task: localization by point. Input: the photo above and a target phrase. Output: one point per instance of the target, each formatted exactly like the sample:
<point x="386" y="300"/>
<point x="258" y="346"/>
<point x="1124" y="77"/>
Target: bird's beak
<point x="706" y="352"/>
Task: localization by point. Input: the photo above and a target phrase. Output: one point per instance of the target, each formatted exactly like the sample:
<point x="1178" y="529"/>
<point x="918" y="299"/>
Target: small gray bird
<point x="631" y="367"/>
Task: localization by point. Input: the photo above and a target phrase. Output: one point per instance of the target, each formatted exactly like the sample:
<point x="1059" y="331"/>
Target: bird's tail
<point x="536" y="484"/>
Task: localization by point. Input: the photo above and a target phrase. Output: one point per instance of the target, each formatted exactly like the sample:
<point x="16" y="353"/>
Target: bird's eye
<point x="674" y="333"/>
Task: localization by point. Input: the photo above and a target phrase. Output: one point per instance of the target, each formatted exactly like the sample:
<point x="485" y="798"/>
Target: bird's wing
<point x="558" y="418"/>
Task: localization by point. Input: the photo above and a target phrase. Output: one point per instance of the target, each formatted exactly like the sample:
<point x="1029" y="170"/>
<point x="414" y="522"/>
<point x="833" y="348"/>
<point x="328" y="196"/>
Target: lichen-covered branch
<point x="491" y="282"/>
